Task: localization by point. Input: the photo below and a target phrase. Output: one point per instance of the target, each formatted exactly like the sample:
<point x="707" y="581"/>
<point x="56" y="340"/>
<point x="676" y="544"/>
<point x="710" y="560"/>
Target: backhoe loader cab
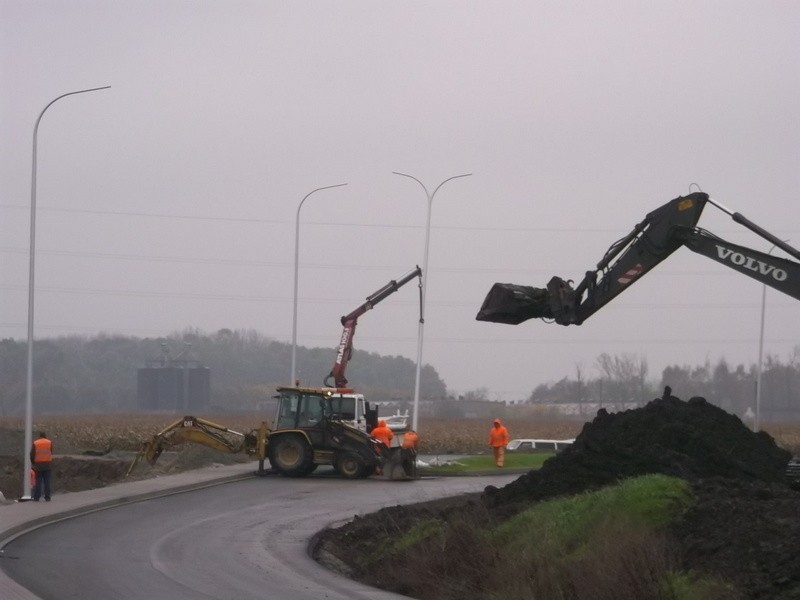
<point x="336" y="403"/>
<point x="319" y="426"/>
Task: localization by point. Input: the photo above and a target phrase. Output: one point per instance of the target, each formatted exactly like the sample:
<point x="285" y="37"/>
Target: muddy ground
<point x="744" y="529"/>
<point x="78" y="469"/>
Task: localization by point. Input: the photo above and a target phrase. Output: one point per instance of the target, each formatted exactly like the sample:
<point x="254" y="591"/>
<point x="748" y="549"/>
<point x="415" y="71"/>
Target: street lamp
<point x="415" y="418"/>
<point x="296" y="270"/>
<point x="756" y="422"/>
<point x="32" y="259"/>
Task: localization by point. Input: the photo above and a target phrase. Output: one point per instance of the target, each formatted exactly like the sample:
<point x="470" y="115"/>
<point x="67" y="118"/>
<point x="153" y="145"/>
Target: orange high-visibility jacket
<point x="498" y="435"/>
<point x="410" y="439"/>
<point x="42" y="450"/>
<point x="383" y="433"/>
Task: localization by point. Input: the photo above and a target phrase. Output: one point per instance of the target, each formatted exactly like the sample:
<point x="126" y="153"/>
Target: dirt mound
<point x="70" y="474"/>
<point x="12" y="441"/>
<point x="692" y="440"/>
<point x="76" y="473"/>
<point x="743" y="529"/>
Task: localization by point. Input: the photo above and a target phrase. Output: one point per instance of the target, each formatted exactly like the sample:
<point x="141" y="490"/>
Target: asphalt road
<point x="243" y="539"/>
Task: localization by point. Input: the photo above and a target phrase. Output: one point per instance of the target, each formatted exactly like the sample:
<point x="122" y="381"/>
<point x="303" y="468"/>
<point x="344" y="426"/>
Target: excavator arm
<point x="349" y="321"/>
<point x="655" y="238"/>
<point x="207" y="433"/>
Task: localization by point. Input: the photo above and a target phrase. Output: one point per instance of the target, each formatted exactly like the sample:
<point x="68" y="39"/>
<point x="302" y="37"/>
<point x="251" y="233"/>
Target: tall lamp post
<point x="756" y="422"/>
<point x="420" y="332"/>
<point x="32" y="263"/>
<point x="296" y="272"/>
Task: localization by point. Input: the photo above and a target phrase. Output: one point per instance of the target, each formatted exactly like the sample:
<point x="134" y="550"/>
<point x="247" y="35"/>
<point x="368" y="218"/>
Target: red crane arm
<point x="349" y="321"/>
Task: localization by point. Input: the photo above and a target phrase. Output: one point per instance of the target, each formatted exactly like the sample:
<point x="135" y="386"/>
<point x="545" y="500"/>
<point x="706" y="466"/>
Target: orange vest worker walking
<point x="498" y="439"/>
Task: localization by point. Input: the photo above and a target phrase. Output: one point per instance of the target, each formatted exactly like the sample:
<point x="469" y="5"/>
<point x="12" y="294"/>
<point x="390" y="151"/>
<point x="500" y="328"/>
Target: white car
<point x="529" y="445"/>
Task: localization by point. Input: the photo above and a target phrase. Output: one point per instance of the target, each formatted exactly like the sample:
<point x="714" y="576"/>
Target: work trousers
<point x="409" y="461"/>
<point x="499" y="455"/>
<point x="42" y="485"/>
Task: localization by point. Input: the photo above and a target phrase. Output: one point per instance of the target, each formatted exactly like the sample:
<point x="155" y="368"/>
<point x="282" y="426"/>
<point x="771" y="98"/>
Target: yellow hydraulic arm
<point x="201" y="431"/>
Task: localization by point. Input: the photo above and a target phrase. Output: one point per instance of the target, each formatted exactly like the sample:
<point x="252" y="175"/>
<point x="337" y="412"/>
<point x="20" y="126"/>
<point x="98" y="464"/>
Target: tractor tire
<point x="291" y="456"/>
<point x="351" y="465"/>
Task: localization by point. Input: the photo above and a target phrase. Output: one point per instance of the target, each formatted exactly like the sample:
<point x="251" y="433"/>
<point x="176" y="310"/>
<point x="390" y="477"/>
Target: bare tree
<point x="625" y="376"/>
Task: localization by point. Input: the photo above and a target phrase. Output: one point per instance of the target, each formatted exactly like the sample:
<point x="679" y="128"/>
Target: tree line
<point x="622" y="382"/>
<point x="74" y="374"/>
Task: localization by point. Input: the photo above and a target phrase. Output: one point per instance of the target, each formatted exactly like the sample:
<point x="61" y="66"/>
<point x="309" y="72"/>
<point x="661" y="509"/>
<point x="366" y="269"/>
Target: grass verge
<point x="608" y="544"/>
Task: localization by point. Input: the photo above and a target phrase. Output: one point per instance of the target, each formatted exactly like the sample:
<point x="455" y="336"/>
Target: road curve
<point x="243" y="539"/>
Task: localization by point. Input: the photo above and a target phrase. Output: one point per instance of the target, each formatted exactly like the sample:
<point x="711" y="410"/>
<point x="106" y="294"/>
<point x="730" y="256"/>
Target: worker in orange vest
<point x="383" y="433"/>
<point x="42" y="464"/>
<point x="498" y="439"/>
<point x="408" y="452"/>
<point x="410" y="439"/>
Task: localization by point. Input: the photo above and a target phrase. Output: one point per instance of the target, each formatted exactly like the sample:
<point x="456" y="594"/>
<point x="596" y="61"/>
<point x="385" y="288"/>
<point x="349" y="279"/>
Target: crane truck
<point x="330" y="425"/>
<point x="656" y="237"/>
<point x="351" y="407"/>
<point x="314" y="425"/>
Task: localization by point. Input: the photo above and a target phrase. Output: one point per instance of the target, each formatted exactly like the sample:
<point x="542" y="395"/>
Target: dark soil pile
<point x="747" y="533"/>
<point x="692" y="440"/>
<point x="744" y="529"/>
<point x="75" y="470"/>
<point x="70" y="474"/>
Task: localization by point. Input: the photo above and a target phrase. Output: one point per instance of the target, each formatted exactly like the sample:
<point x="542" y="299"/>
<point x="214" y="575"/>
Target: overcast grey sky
<point x="169" y="200"/>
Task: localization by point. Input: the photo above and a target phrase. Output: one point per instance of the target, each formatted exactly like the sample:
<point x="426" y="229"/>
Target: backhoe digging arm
<point x="662" y="231"/>
<point x="207" y="433"/>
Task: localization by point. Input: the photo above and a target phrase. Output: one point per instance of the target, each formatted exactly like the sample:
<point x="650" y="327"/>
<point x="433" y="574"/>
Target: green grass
<point x="691" y="586"/>
<point x="650" y="501"/>
<point x="609" y="543"/>
<point x="596" y="540"/>
<point x="483" y="462"/>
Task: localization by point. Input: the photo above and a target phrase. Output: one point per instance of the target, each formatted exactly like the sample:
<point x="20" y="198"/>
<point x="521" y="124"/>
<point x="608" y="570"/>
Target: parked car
<point x="531" y="445"/>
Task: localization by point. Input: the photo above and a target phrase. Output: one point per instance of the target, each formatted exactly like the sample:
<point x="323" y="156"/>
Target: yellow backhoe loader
<point x="312" y="429"/>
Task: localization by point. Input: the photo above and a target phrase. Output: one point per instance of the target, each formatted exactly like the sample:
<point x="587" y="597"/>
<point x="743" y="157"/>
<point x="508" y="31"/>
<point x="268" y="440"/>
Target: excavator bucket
<point x="512" y="304"/>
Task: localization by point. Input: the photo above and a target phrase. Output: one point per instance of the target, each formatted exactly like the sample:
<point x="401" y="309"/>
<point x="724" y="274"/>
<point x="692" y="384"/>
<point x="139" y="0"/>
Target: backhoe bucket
<point x="512" y="304"/>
